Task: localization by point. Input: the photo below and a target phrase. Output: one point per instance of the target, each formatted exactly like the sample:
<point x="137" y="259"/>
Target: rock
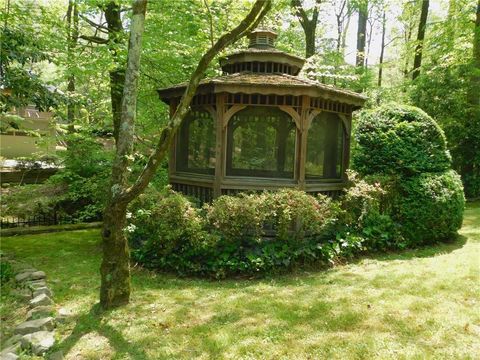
<point x="57" y="355"/>
<point x="39" y="312"/>
<point x="36" y="284"/>
<point x="43" y="290"/>
<point x="23" y="276"/>
<point x="37" y="275"/>
<point x="39" y="342"/>
<point x="15" y="339"/>
<point x="64" y="316"/>
<point x="12" y="349"/>
<point x="39" y="300"/>
<point x="33" y="326"/>
<point x="30" y="275"/>
<point x="8" y="356"/>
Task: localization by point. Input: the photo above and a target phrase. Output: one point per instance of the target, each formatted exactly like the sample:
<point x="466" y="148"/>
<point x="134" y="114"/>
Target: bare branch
<point x="94" y="39"/>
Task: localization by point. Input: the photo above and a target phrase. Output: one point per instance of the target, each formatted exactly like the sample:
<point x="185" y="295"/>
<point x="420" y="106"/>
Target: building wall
<point x="18" y="143"/>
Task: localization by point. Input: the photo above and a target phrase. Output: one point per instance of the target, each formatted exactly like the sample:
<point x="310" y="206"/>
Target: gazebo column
<point x="220" y="145"/>
<point x="302" y="154"/>
<point x="347" y="124"/>
<point x="172" y="154"/>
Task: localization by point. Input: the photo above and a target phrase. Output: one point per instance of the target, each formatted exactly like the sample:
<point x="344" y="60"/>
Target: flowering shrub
<point x="248" y="234"/>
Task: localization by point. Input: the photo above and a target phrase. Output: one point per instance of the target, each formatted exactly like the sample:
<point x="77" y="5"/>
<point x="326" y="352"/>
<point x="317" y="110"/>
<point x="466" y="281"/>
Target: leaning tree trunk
<point x="417" y="61"/>
<point x="361" y="33"/>
<point x="115" y="270"/>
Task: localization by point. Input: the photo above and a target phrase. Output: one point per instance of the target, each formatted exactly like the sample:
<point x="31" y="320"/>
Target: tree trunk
<point x="382" y="51"/>
<point x="417" y="61"/>
<point x="361" y="33"/>
<point x="117" y="75"/>
<point x="340" y="16"/>
<point x="474" y="91"/>
<point x="344" y="35"/>
<point x="115" y="271"/>
<point x="452" y="23"/>
<point x="309" y="25"/>
<point x="72" y="39"/>
<point x="310" y="30"/>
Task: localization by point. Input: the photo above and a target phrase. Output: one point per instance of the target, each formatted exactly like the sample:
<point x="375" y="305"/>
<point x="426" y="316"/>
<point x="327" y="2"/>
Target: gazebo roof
<point x="263" y="55"/>
<point x="267" y="84"/>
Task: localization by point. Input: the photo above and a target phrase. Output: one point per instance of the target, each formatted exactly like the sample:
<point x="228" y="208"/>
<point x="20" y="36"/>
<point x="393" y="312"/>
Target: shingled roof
<point x="277" y="84"/>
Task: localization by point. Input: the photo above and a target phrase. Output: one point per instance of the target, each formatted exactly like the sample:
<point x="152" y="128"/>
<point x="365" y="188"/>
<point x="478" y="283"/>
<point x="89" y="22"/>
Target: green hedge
<point x="246" y="234"/>
<point x="429" y="207"/>
<point x="406" y="151"/>
<point x="399" y="139"/>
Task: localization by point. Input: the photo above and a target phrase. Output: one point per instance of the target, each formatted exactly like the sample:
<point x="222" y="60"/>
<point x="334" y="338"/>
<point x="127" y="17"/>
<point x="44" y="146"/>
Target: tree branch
<point x="95" y="25"/>
<point x="94" y="39"/>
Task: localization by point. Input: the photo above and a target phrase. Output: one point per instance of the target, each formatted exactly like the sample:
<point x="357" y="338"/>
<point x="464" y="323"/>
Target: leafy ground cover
<point x="414" y="304"/>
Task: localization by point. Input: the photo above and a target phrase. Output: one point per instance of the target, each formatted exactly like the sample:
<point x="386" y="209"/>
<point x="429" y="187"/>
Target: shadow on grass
<point x="92" y="321"/>
<point x="420" y="252"/>
<point x="169" y="281"/>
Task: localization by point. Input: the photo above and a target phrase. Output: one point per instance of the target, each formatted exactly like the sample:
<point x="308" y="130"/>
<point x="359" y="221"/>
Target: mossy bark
<point x="115" y="268"/>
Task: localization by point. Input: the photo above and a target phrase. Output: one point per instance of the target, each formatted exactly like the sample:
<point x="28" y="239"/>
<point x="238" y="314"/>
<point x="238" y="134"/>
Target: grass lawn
<point x="415" y="304"/>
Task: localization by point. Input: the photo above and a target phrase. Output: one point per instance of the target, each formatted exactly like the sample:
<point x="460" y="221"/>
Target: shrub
<point x="6" y="270"/>
<point x="429" y="207"/>
<point x="163" y="224"/>
<point x="291" y="214"/>
<point x="366" y="216"/>
<point x="399" y="139"/>
<point x="85" y="176"/>
<point x="228" y="236"/>
<point x="404" y="147"/>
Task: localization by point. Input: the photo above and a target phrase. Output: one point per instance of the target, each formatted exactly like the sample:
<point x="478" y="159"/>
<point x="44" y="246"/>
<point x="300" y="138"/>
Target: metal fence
<point x="38" y="220"/>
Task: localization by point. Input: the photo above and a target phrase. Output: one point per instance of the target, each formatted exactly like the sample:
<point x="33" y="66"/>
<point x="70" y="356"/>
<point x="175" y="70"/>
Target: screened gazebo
<point x="260" y="126"/>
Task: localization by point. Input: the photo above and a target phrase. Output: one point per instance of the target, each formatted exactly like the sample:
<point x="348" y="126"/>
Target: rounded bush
<point x="399" y="139"/>
<point x="162" y="223"/>
<point x="429" y="207"/>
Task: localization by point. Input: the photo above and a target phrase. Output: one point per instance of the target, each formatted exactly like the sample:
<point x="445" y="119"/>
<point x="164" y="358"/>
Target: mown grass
<point x="422" y="303"/>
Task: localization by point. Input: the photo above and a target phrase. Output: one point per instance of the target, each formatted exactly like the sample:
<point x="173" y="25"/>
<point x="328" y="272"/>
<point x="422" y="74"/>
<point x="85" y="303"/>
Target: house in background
<point x="34" y="133"/>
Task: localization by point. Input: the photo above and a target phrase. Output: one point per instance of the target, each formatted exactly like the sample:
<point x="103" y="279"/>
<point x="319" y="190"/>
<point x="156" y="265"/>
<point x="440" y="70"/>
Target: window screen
<point x="325" y="147"/>
<point x="261" y="143"/>
<point x="196" y="143"/>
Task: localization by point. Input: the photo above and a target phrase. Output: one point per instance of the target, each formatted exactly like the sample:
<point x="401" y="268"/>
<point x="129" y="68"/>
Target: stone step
<point x="33" y="326"/>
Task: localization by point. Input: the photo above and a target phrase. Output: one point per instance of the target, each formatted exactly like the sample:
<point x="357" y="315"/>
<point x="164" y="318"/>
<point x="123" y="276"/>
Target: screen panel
<point x="325" y="147"/>
<point x="195" y="150"/>
<point x="261" y="143"/>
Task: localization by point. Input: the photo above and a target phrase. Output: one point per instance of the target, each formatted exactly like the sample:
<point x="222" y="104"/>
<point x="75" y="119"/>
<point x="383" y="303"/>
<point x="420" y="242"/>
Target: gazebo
<point x="260" y="126"/>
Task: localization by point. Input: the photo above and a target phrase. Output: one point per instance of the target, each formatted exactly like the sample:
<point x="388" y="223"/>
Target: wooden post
<point x="302" y="155"/>
<point x="219" y="146"/>
<point x="172" y="156"/>
<point x="346" y="145"/>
